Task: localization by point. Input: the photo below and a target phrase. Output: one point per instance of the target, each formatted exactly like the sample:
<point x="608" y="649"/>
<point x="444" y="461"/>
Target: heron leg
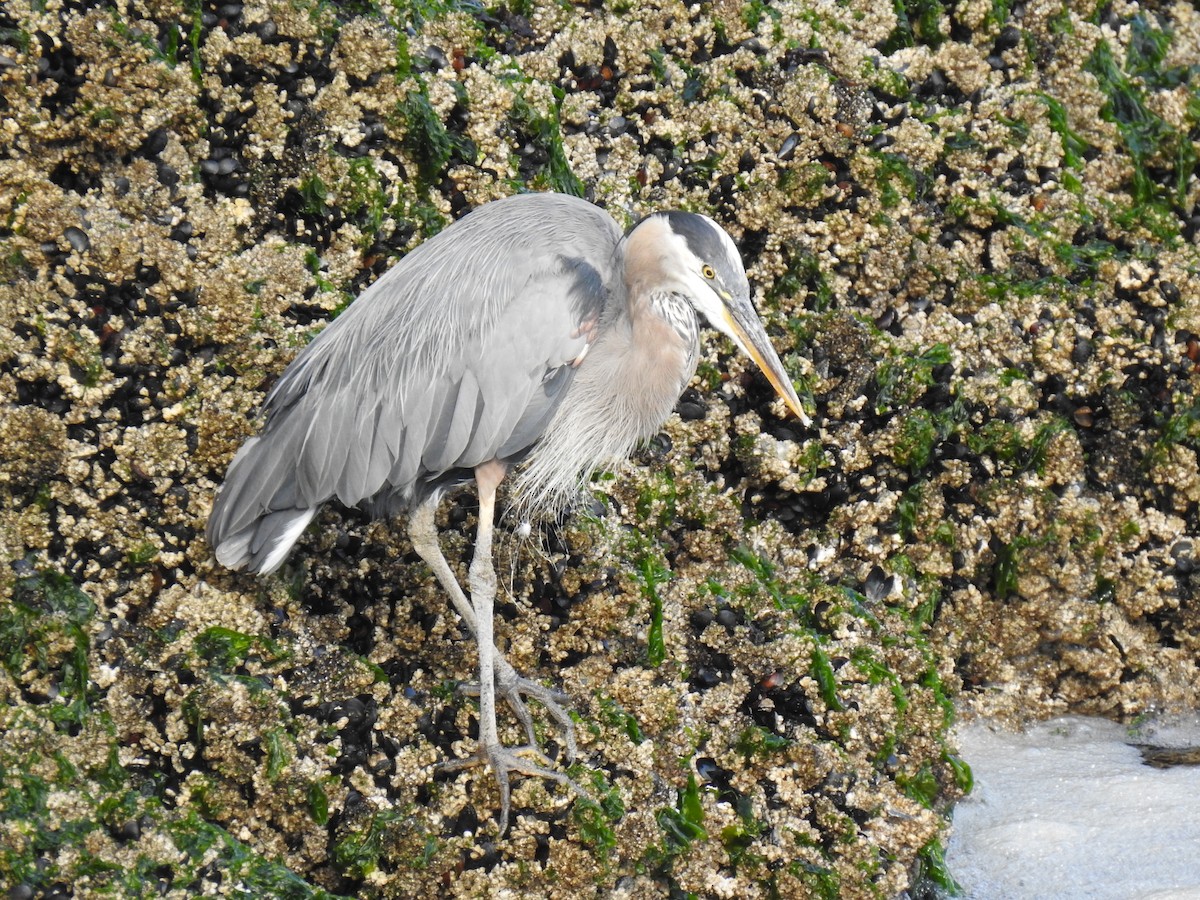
<point x="495" y="672"/>
<point x="503" y="760"/>
<point x="513" y="687"/>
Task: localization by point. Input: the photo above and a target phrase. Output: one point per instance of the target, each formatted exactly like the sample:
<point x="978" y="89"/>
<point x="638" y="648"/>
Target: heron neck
<point x="621" y="394"/>
<point x="664" y="339"/>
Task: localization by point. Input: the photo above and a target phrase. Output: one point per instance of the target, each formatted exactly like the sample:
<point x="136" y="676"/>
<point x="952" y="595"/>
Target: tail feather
<point x="320" y="442"/>
<point x="259" y="512"/>
<point x="262" y="546"/>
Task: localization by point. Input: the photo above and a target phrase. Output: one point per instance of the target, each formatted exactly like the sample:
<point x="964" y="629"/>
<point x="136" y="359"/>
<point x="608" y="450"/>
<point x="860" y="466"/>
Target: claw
<point x="528" y="759"/>
<point x="516" y="688"/>
<point x="506" y="760"/>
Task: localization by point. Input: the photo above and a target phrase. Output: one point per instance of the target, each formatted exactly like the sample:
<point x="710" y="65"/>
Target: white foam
<point x="1068" y="810"/>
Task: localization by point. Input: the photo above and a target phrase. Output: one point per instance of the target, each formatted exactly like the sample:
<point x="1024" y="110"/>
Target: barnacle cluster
<point x="973" y="232"/>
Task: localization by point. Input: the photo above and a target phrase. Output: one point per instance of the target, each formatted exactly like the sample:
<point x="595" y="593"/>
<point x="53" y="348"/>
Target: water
<point x="1068" y="810"/>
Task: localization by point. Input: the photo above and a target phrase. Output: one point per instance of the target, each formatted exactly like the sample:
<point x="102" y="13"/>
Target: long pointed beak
<point x="748" y="331"/>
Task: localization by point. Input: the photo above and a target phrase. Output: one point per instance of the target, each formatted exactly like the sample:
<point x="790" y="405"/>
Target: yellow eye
<point x="708" y="273"/>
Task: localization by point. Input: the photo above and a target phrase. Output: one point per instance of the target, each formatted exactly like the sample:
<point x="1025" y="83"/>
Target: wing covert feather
<point x="458" y="354"/>
<point x="460" y="351"/>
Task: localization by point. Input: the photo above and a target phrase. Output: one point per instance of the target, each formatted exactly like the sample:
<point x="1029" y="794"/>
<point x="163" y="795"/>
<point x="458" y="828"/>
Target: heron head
<point x="691" y="255"/>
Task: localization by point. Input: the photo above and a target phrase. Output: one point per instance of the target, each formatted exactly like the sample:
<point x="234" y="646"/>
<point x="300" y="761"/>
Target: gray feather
<point x="416" y="380"/>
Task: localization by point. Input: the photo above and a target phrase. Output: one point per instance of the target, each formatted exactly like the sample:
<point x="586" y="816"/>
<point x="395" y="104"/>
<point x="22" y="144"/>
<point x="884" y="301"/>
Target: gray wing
<point x="458" y="354"/>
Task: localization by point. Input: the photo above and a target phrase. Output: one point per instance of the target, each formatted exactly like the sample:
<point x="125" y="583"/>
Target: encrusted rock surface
<point x="973" y="234"/>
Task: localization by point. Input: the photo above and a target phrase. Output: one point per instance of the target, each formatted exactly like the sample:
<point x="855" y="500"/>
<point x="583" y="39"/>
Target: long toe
<point x="529" y="761"/>
<point x="516" y="690"/>
<point x="515" y="703"/>
<point x="506" y="761"/>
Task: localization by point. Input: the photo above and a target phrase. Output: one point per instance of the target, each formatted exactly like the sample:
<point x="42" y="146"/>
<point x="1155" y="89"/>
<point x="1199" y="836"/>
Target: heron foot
<point x="516" y="689"/>
<point x="526" y="760"/>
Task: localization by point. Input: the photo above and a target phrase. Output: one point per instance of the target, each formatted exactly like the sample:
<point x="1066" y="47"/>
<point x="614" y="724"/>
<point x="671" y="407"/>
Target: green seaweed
<point x="895" y="179"/>
<point x="1180" y="427"/>
<point x="120" y="799"/>
<point x="919" y="434"/>
<point x="541" y="127"/>
<point x="652" y="572"/>
<point x="681" y="825"/>
<point x="821" y="669"/>
<point x="931" y="869"/>
<point x="1000" y="13"/>
<point x="318" y="803"/>
<point x="18" y="38"/>
<point x="754" y="12"/>
<point x="964" y="778"/>
<point x="756" y="741"/>
<point x="908" y="510"/>
<point x="903" y="379"/>
<point x="428" y="140"/>
<point x="255" y="875"/>
<point x="142" y="554"/>
<point x="23" y="798"/>
<point x="1004" y="441"/>
<point x="278" y="752"/>
<point x="784" y="597"/>
<point x="658" y="498"/>
<point x="170" y="50"/>
<point x="225" y="649"/>
<point x="877" y="672"/>
<point x="364" y="198"/>
<point x="1006" y="569"/>
<point x="921" y="430"/>
<point x="1073" y="145"/>
<point x="802" y="275"/>
<point x="1154" y="145"/>
<point x="917" y="23"/>
<point x="315" y="194"/>
<point x="822" y="882"/>
<point x="595" y="820"/>
<point x="357" y="851"/>
<point x="616" y="716"/>
<point x="45" y="629"/>
<point x="921" y="786"/>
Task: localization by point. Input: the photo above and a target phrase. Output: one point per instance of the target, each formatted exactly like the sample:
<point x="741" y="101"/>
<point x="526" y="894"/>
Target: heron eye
<point x="708" y="273"/>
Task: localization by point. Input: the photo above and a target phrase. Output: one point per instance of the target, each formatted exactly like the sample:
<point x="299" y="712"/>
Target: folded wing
<point x="459" y="354"/>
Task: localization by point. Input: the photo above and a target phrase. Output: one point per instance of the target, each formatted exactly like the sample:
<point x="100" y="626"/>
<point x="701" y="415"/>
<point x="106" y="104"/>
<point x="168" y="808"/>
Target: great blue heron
<point x="530" y="332"/>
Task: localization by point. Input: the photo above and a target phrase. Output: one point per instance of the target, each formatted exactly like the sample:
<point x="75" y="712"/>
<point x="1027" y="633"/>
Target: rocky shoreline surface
<point x="972" y="229"/>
